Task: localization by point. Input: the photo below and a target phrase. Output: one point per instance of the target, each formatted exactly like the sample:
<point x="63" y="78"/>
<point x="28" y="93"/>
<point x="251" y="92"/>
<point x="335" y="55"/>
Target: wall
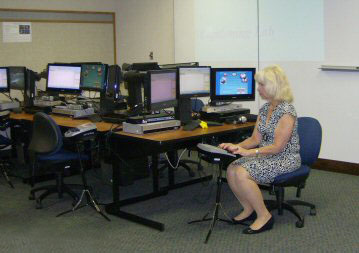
<point x="145" y="26"/>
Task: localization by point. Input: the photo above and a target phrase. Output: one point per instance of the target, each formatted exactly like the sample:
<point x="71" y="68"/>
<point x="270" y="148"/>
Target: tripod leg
<point x="203" y="219"/>
<point x="7" y="177"/>
<point x="94" y="205"/>
<point x="76" y="206"/>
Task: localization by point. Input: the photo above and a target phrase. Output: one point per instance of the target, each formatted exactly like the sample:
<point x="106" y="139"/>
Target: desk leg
<point x="155" y="174"/>
<point x="114" y="208"/>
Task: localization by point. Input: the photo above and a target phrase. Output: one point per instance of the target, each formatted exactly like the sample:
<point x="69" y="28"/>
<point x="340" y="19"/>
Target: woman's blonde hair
<point x="275" y="82"/>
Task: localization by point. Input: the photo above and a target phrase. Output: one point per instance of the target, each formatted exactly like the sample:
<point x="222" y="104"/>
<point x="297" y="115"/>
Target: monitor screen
<point x="4" y="79"/>
<point x="17" y="78"/>
<point x="63" y="78"/>
<point x="194" y="81"/>
<point x="160" y="89"/>
<point x="233" y="84"/>
<point x="93" y="76"/>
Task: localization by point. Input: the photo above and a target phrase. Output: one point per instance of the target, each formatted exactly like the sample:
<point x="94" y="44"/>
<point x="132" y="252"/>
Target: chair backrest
<point x="196" y="105"/>
<point x="46" y="135"/>
<point x="310" y="139"/>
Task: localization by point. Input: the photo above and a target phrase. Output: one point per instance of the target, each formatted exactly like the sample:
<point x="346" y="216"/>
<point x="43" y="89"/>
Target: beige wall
<point x="142" y="25"/>
<point x="145" y="26"/>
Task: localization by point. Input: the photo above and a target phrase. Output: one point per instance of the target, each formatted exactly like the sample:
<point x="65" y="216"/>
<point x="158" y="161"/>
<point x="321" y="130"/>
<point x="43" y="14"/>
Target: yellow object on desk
<point x="203" y="124"/>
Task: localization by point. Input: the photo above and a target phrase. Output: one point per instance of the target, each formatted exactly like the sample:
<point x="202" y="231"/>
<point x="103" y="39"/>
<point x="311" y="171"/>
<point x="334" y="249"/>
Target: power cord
<point x="178" y="161"/>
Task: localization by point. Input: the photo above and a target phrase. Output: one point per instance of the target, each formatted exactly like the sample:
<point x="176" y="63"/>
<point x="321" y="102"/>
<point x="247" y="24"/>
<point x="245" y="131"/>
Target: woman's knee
<point x="238" y="172"/>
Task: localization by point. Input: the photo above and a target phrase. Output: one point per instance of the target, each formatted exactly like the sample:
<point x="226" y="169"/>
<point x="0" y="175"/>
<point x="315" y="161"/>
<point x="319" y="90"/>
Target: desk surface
<point x="156" y="137"/>
<point x="66" y="121"/>
<point x="181" y="134"/>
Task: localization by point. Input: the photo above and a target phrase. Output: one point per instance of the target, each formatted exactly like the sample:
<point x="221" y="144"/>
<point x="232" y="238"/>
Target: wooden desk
<point x="153" y="144"/>
<point x="66" y="121"/>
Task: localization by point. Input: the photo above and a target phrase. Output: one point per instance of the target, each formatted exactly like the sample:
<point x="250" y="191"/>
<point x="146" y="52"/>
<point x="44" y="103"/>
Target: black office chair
<point x="5" y="142"/>
<point x="46" y="149"/>
<point x="310" y="138"/>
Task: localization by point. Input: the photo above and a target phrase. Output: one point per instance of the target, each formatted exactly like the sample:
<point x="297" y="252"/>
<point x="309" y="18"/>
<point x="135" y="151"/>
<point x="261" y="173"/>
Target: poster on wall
<point x="16" y="32"/>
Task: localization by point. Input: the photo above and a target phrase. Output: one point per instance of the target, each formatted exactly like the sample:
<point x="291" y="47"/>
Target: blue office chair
<point x="5" y="142"/>
<point x="46" y="148"/>
<point x="310" y="139"/>
<point x="197" y="105"/>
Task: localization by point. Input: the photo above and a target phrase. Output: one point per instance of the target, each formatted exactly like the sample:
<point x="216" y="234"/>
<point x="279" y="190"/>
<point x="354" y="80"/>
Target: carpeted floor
<point x="26" y="229"/>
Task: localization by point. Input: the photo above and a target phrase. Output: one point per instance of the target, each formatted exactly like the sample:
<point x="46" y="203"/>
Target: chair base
<point x="183" y="164"/>
<point x="52" y="189"/>
<point x="289" y="206"/>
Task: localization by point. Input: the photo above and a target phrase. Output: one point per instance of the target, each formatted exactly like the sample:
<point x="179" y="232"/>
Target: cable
<point x="179" y="159"/>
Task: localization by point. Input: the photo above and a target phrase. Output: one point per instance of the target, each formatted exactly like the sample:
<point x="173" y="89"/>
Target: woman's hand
<point x="230" y="147"/>
<point x="241" y="151"/>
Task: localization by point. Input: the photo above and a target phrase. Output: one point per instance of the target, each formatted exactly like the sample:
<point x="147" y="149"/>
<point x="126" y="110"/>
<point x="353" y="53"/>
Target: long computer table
<point x="153" y="144"/>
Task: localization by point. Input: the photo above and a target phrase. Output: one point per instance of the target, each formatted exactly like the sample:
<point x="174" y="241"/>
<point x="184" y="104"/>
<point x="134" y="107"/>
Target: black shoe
<point x="267" y="226"/>
<point x="251" y="217"/>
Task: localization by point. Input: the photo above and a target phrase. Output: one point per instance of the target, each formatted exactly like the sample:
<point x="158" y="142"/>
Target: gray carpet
<point x="25" y="229"/>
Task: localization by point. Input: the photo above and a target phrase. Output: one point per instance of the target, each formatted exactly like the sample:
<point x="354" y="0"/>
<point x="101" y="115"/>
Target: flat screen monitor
<point x="63" y="78"/>
<point x="194" y="81"/>
<point x="17" y="78"/>
<point x="160" y="89"/>
<point x="232" y="84"/>
<point x="93" y="77"/>
<point x="4" y="79"/>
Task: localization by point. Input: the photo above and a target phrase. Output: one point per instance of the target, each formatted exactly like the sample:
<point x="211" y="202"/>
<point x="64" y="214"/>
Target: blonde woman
<point x="273" y="149"/>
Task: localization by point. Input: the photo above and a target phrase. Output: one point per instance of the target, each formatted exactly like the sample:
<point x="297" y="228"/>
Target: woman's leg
<point x="247" y="189"/>
<point x="232" y="182"/>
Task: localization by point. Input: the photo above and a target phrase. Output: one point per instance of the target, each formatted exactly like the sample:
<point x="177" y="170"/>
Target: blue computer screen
<point x="234" y="82"/>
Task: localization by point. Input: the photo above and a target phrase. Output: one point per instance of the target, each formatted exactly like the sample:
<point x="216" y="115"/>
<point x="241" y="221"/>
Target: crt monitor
<point x="93" y="76"/>
<point x="232" y="84"/>
<point x="17" y="78"/>
<point x="63" y="78"/>
<point x="4" y="79"/>
<point x="194" y="81"/>
<point x="160" y="89"/>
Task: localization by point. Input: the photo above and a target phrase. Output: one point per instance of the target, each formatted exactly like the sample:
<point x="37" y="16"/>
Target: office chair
<point x="46" y="148"/>
<point x="4" y="143"/>
<point x="310" y="138"/>
<point x="223" y="158"/>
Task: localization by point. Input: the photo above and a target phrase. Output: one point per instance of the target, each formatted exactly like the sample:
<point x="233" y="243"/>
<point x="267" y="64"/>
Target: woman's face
<point x="262" y="91"/>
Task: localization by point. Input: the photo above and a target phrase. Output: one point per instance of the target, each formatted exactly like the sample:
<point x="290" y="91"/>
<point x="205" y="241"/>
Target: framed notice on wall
<point x="17" y="32"/>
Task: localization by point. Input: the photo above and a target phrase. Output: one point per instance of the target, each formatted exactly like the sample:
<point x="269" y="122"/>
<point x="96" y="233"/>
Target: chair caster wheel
<point x="32" y="196"/>
<point x="299" y="224"/>
<point x="313" y="212"/>
<point x="38" y="204"/>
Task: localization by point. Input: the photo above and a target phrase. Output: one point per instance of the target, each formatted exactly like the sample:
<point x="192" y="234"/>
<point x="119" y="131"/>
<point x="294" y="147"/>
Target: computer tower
<point x="109" y="95"/>
<point x="30" y="88"/>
